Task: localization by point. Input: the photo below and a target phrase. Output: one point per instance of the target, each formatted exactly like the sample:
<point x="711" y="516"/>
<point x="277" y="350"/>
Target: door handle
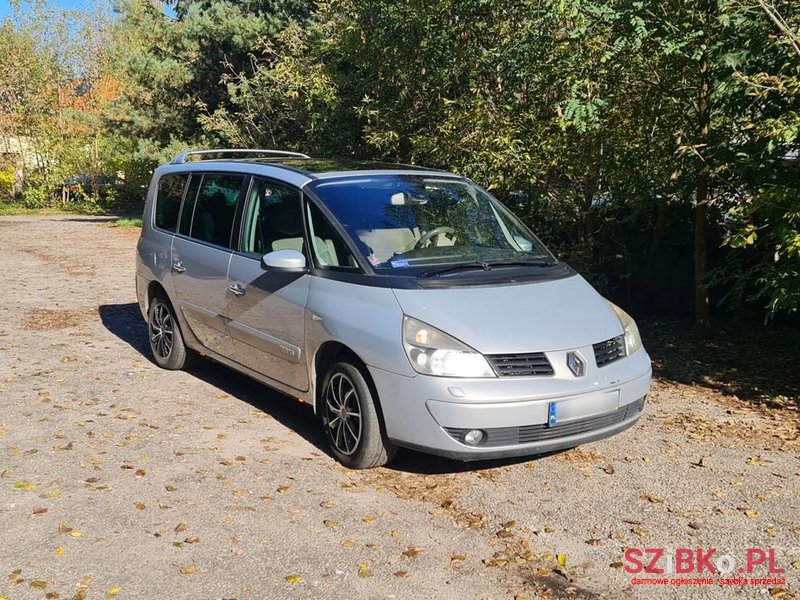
<point x="178" y="267"/>
<point x="236" y="289"/>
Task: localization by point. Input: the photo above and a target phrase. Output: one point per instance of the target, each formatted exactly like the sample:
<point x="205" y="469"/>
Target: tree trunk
<point x="702" y="317"/>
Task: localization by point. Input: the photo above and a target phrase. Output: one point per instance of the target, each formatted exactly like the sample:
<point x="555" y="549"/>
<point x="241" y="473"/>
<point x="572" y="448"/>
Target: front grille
<point x="609" y="351"/>
<point x="520" y="365"/>
<point x="526" y="434"/>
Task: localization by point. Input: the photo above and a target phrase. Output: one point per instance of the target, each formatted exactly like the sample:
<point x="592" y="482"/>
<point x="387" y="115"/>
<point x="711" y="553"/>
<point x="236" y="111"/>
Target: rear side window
<point x="215" y="208"/>
<point x="168" y="201"/>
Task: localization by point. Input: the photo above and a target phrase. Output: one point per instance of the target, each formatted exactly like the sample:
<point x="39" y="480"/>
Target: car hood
<point x="504" y="319"/>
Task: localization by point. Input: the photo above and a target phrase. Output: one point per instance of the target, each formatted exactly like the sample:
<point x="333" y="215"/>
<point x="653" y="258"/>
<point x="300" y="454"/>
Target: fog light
<point x="474" y="437"/>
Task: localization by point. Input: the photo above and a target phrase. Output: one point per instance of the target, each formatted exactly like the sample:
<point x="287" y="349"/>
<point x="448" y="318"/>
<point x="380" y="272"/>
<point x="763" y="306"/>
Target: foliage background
<point x="652" y="143"/>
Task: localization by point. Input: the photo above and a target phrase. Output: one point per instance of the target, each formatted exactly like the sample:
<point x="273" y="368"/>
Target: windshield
<point x="423" y="224"/>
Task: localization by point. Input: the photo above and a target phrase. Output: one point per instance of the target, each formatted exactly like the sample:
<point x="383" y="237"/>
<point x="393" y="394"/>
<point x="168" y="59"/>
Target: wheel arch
<point x="332" y="352"/>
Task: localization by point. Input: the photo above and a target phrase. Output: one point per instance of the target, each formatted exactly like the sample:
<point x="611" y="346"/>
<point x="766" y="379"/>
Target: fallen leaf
<point x="609" y="469"/>
<point x="617" y="564"/>
<point x="140" y="473"/>
<point x="694" y="525"/>
<point x="181" y="527"/>
<point x="64" y="528"/>
<point x="25" y="485"/>
<point x="59" y="551"/>
<point x="641" y="532"/>
<point x="412" y="552"/>
<point x="400" y="574"/>
<point x="521" y="597"/>
<point x="363" y="570"/>
<point x="750" y="514"/>
<point x="293" y="578"/>
<point x="188" y="570"/>
<point x="543" y="572"/>
<point x="284" y="489"/>
<point x="796" y="564"/>
<point x="192" y="540"/>
<point x="15" y="577"/>
<point x="75" y="533"/>
<point x="327" y="504"/>
<point x="38" y="584"/>
<point x="169" y="488"/>
<point x="457" y="558"/>
<point x="561" y="559"/>
<point x="111" y="592"/>
<point x="777" y="592"/>
<point x="348" y="543"/>
<point x="330" y="524"/>
<point x="593" y="542"/>
<point x="650" y="498"/>
<point x="39" y="511"/>
<point x="368" y="519"/>
<point x="140" y="505"/>
<point x="753" y="460"/>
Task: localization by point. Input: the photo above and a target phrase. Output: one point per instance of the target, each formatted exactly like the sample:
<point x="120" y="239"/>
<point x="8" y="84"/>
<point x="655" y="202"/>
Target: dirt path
<point x="118" y="479"/>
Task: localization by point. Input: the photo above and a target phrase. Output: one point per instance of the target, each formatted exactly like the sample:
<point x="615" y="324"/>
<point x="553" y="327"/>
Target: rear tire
<point x="166" y="340"/>
<point x="351" y="420"/>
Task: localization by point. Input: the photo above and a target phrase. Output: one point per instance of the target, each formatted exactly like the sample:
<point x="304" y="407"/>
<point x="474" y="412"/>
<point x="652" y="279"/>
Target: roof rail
<point x="184" y="156"/>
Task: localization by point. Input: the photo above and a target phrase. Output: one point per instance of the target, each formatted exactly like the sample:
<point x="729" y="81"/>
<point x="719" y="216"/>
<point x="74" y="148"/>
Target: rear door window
<point x="168" y="201"/>
<point x="215" y="208"/>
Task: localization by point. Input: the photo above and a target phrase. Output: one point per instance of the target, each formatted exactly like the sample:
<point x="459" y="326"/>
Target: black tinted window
<point x="168" y="201"/>
<point x="215" y="208"/>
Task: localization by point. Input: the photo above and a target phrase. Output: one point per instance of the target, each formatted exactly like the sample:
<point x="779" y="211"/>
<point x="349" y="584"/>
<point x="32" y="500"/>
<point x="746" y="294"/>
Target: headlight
<point x="433" y="352"/>
<point x="633" y="341"/>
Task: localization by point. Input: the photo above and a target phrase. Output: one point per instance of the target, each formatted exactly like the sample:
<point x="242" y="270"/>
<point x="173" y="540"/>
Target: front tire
<point x="166" y="341"/>
<point x="351" y="420"/>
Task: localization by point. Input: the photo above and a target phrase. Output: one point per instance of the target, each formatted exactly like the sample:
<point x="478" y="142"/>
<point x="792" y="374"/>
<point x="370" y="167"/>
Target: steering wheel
<point x="428" y="236"/>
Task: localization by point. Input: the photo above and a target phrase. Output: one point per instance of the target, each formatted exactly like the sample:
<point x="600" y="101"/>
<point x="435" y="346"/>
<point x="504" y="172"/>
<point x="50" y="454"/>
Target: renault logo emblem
<point x="576" y="364"/>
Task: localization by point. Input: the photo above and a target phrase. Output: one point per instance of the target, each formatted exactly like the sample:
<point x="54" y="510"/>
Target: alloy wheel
<point x="343" y="412"/>
<point x="161" y="331"/>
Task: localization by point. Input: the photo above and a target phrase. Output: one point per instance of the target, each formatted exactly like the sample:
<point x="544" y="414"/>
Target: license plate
<point x="552" y="420"/>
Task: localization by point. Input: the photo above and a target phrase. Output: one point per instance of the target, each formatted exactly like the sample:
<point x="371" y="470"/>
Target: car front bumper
<point x="518" y="415"/>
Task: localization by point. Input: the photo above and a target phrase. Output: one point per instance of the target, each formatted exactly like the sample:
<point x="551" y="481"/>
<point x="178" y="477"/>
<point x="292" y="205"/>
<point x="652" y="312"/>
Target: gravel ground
<point x="118" y="479"/>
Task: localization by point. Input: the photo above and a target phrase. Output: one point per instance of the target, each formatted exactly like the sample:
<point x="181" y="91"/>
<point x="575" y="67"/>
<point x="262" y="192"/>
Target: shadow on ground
<point x="125" y="321"/>
<point x="755" y="362"/>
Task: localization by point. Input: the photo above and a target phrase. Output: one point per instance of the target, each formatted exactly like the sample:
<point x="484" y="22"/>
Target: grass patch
<point x="13" y="208"/>
<point x="127" y="223"/>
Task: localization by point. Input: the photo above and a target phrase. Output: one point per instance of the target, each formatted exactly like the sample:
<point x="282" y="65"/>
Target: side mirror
<point x="284" y="260"/>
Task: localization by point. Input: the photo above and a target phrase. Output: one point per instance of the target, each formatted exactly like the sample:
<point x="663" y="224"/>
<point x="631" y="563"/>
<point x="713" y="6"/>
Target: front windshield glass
<point x="423" y="224"/>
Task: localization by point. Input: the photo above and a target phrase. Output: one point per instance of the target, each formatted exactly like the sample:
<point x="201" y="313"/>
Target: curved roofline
<point x="303" y="170"/>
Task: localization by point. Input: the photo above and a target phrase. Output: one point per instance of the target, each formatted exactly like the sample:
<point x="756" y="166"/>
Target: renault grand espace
<point x="406" y="305"/>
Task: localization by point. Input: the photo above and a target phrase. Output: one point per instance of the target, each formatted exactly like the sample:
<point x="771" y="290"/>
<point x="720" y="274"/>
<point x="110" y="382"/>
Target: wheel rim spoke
<point x="161" y="331"/>
<point x="343" y="412"/>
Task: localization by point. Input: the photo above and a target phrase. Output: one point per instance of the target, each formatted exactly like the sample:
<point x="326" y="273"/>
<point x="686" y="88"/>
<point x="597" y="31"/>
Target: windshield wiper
<point x="487" y="265"/>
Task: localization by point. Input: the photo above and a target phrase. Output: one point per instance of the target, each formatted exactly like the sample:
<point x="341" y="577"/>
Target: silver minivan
<point x="406" y="305"/>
